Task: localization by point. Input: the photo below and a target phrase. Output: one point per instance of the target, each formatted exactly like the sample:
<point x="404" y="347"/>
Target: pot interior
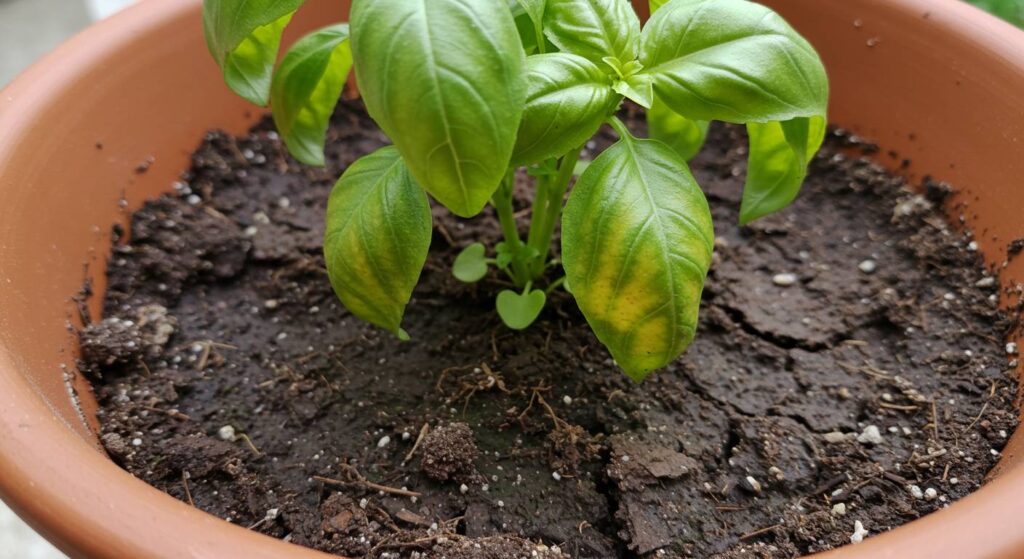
<point x="108" y="121"/>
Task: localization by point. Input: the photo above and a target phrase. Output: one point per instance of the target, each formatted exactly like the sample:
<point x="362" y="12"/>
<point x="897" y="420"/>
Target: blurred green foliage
<point x="1010" y="10"/>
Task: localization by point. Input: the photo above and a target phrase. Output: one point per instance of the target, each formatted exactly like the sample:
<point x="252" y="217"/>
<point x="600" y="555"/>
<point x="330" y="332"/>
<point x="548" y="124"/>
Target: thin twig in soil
<point x="897" y="407"/>
<point x="419" y="439"/>
<point x="249" y="442"/>
<point x="975" y="421"/>
<point x="172" y="413"/>
<point x="935" y="421"/>
<point x="759" y="532"/>
<point x="188" y="492"/>
<point x="363" y="482"/>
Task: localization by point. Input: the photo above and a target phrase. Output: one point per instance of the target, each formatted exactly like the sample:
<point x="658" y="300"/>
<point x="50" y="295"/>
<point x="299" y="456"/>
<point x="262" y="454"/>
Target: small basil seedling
<point x="470" y="91"/>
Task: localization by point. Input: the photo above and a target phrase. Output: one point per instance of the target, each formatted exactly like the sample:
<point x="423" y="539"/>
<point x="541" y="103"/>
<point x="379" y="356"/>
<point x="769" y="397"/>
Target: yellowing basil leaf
<point x="567" y="99"/>
<point x="779" y="154"/>
<point x="680" y="133"/>
<point x="731" y="60"/>
<point x="444" y="80"/>
<point x="306" y="88"/>
<point x="377" y="237"/>
<point x="593" y="29"/>
<point x="636" y="246"/>
<point x="243" y="38"/>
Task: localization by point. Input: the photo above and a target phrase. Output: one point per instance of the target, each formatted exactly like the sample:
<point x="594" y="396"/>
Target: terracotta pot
<point x="936" y="80"/>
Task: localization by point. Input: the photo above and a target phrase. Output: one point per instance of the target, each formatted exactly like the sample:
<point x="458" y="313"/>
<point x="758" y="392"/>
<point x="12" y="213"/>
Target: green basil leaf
<point x="471" y="264"/>
<point x="731" y="60"/>
<point x="378" y="234"/>
<point x="535" y="9"/>
<point x="680" y="133"/>
<point x="593" y="29"/>
<point x="306" y="88"/>
<point x="243" y="37"/>
<point x="444" y="79"/>
<point x="518" y="311"/>
<point x="567" y="99"/>
<point x="636" y="246"/>
<point x="638" y="88"/>
<point x="779" y="154"/>
<point x="653" y="5"/>
<point x="524" y="25"/>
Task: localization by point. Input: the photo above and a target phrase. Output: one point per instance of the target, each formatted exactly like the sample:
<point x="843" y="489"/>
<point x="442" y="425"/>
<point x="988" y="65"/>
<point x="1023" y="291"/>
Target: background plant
<point x="470" y="91"/>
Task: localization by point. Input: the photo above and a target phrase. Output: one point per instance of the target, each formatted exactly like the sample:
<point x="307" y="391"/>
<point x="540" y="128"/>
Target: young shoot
<point x="472" y="91"/>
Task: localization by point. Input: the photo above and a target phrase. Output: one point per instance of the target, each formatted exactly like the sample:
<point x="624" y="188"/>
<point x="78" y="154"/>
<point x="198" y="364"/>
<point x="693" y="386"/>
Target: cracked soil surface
<point x="230" y="376"/>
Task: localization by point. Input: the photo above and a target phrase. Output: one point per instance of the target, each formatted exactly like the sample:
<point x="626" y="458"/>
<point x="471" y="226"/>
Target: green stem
<point x="546" y="210"/>
<point x="554" y="285"/>
<point x="619" y="127"/>
<point x="502" y="203"/>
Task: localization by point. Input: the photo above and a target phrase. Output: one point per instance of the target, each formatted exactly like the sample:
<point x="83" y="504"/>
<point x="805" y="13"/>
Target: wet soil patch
<point x="850" y="367"/>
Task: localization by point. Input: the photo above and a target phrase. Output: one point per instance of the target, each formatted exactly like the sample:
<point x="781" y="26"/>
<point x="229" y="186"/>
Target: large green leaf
<point x="567" y="99"/>
<point x="378" y="234"/>
<point x="636" y="247"/>
<point x="593" y="29"/>
<point x="779" y="154"/>
<point x="731" y="60"/>
<point x="306" y="88"/>
<point x="535" y="10"/>
<point x="444" y="79"/>
<point x="684" y="135"/>
<point x="244" y="36"/>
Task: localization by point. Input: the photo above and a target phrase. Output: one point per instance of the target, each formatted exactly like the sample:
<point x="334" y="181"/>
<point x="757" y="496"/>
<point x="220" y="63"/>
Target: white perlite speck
<point x="754" y="484"/>
<point x="859" y="533"/>
<point x="567" y="400"/>
<point x="383" y="442"/>
<point x="226" y="433"/>
<point x="930" y="494"/>
<point x="870" y="435"/>
<point x="463" y="488"/>
<point x="556" y="476"/>
<point x="1011" y="348"/>
<point x="868" y="266"/>
<point x="839" y="509"/>
<point x="915" y="492"/>
<point x="784" y="280"/>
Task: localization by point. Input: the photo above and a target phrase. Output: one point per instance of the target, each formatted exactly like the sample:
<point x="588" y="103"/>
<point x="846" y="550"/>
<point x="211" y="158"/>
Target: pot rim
<point x="37" y="447"/>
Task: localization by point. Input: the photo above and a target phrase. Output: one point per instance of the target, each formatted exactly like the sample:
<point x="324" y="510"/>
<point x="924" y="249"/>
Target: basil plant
<point x="471" y="91"/>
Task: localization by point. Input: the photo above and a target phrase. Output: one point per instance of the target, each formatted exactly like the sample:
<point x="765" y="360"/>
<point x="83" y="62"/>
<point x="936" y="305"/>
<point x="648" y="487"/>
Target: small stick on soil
<point x="975" y="421"/>
<point x="252" y="447"/>
<point x="419" y="438"/>
<point x="935" y="421"/>
<point x="759" y="532"/>
<point x="368" y="485"/>
<point x="188" y="492"/>
<point x="172" y="413"/>
<point x="897" y="407"/>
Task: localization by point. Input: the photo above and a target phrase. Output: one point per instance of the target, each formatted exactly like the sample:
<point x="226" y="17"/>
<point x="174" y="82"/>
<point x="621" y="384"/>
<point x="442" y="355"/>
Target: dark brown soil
<point x="230" y="376"/>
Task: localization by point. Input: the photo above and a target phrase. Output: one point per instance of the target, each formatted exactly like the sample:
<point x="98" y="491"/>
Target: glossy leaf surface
<point x="243" y="38"/>
<point x="779" y="154"/>
<point x="377" y="237"/>
<point x="684" y="135"/>
<point x="567" y="99"/>
<point x="636" y="247"/>
<point x="444" y="80"/>
<point x="593" y="29"/>
<point x="731" y="60"/>
<point x="306" y="89"/>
